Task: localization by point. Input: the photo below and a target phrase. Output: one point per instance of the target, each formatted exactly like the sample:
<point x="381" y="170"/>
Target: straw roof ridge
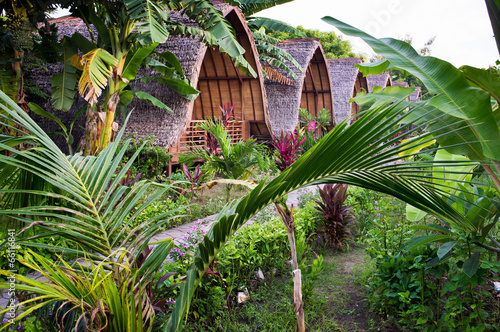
<point x="178" y="16"/>
<point x="354" y="60"/>
<point x="403" y="84"/>
<point x="343" y="76"/>
<point x="284" y="100"/>
<point x="381" y="80"/>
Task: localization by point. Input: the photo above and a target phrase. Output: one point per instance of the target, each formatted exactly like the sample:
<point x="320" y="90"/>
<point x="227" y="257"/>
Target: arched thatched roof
<point x="207" y="69"/>
<point x="218" y="81"/>
<point x="347" y="81"/>
<point x="417" y="94"/>
<point x="312" y="90"/>
<point x="381" y="80"/>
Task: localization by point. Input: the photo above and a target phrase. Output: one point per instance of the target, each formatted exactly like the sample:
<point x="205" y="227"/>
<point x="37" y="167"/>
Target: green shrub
<point x="170" y="203"/>
<point x="152" y="161"/>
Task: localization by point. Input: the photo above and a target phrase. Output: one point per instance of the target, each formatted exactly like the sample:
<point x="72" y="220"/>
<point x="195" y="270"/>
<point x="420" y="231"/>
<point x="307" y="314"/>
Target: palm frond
<point x="363" y="154"/>
<point x="275" y="62"/>
<point x="86" y="202"/>
<point x="256" y="23"/>
<point x="149" y="18"/>
<point x="210" y="19"/>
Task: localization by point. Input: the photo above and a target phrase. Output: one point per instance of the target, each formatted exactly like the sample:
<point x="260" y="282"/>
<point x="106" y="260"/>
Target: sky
<point x="462" y="27"/>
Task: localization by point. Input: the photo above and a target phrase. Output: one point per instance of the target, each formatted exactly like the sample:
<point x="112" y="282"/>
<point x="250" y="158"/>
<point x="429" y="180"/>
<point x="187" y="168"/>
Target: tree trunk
<point x="287" y="217"/>
<point x="89" y="142"/>
<point x="107" y="130"/>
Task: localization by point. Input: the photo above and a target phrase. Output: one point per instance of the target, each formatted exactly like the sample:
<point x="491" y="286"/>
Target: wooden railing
<point x="195" y="137"/>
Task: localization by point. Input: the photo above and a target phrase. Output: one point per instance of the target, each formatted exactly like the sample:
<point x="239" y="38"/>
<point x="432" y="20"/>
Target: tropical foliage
<point x="232" y="161"/>
<point x="288" y="149"/>
<point x="127" y="34"/>
<point x="85" y="201"/>
<point x="464" y="111"/>
<point x="336" y="216"/>
<point x="361" y="154"/>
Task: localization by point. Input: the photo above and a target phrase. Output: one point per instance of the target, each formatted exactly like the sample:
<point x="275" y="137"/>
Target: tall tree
<point x="18" y="19"/>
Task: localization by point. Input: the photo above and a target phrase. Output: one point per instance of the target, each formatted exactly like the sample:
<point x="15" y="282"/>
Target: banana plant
<point x="128" y="32"/>
<point x="364" y="154"/>
<point x="464" y="119"/>
<point x="458" y="105"/>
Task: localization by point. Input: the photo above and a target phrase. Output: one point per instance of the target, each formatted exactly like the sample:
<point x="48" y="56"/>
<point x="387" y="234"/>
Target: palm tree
<point x="85" y="201"/>
<point x="268" y="52"/>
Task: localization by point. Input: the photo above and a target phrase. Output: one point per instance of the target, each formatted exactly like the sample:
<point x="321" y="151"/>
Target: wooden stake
<point x="287" y="217"/>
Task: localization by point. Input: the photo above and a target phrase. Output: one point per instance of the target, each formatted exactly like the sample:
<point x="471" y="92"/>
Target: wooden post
<point x="287" y="217"/>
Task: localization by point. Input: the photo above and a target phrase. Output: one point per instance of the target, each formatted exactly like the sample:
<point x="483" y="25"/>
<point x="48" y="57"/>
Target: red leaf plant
<point x="227" y="114"/>
<point x="288" y="146"/>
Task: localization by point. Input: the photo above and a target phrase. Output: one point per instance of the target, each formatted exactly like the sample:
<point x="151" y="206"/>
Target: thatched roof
<point x="210" y="72"/>
<point x="344" y="77"/>
<point x="147" y="119"/>
<point x="381" y="80"/>
<point x="312" y="90"/>
<point x="68" y="25"/>
<point x="417" y="94"/>
<point x="401" y="84"/>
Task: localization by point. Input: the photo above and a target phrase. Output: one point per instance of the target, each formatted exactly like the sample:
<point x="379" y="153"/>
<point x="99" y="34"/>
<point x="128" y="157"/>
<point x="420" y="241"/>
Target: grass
<point x="337" y="303"/>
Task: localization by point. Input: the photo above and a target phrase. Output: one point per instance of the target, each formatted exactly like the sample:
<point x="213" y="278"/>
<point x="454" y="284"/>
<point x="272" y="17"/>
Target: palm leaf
<point x="255" y="23"/>
<point x="454" y="96"/>
<point x="96" y="211"/>
<point x="275" y="75"/>
<point x="210" y="19"/>
<point x="362" y="154"/>
<point x="149" y="18"/>
<point x="250" y="7"/>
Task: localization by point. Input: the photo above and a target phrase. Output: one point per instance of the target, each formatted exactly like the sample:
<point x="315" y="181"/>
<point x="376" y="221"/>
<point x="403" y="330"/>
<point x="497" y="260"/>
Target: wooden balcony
<point x="196" y="138"/>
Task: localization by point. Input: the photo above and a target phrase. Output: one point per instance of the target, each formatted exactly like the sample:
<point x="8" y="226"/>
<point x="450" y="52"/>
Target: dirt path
<point x="341" y="284"/>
